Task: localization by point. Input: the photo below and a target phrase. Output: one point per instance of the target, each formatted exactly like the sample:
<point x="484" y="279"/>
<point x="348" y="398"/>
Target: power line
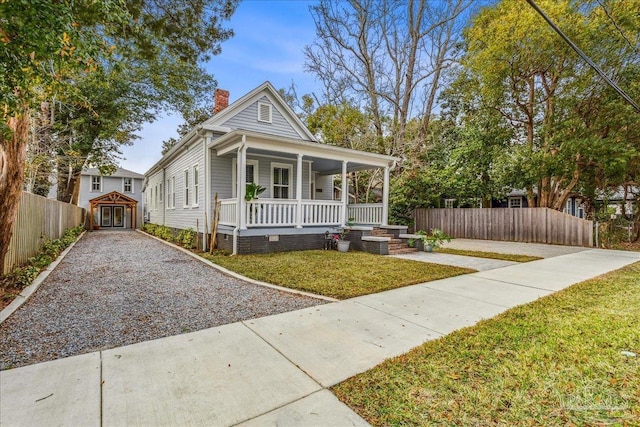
<point x="588" y="60"/>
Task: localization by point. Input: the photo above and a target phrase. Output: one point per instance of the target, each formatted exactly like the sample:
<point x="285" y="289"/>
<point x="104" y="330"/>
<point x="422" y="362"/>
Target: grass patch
<point x="555" y="362"/>
<point x="335" y="274"/>
<point x="490" y="255"/>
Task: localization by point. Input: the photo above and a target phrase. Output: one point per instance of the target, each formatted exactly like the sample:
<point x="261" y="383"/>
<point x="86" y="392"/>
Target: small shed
<point x="113" y="210"/>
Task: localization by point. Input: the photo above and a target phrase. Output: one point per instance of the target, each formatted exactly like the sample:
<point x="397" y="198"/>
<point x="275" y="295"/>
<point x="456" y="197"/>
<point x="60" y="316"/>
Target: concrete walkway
<point x="275" y="370"/>
<point x="480" y="264"/>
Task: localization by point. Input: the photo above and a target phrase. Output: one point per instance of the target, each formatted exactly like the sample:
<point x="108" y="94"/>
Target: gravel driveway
<point x="121" y="287"/>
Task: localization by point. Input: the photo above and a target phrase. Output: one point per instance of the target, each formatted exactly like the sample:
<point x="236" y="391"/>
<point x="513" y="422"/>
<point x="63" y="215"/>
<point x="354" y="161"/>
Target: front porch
<point x="298" y="205"/>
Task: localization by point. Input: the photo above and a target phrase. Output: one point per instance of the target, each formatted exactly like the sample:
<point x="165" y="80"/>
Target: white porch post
<point x="299" y="192"/>
<point x="345" y="193"/>
<point x="385" y="197"/>
<point x="242" y="185"/>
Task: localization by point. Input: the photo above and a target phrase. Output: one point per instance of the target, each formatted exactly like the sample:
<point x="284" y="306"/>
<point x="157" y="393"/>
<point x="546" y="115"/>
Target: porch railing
<point x="271" y="212"/>
<point x="370" y="213"/>
<point x="283" y="212"/>
<point x="228" y="211"/>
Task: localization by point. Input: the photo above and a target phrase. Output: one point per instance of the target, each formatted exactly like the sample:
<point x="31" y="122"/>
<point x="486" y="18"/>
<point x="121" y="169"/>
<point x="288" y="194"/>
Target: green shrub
<point x="23" y="276"/>
<point x="49" y="251"/>
<point x="186" y="238"/>
<point x="164" y="232"/>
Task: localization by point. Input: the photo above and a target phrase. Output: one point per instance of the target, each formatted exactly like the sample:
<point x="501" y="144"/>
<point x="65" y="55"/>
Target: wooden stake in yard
<point x="215" y="218"/>
<point x="206" y="232"/>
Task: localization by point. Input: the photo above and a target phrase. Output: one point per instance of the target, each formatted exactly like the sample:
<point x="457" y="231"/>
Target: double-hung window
<point x="127" y="185"/>
<point x="281" y="180"/>
<point x="186" y="188"/>
<point x="96" y="183"/>
<point x="173" y="192"/>
<point x="251" y="174"/>
<point x="196" y="185"/>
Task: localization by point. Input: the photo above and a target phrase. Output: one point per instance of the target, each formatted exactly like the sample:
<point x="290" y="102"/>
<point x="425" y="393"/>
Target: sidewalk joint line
<point x="281" y="406"/>
<point x="279" y="352"/>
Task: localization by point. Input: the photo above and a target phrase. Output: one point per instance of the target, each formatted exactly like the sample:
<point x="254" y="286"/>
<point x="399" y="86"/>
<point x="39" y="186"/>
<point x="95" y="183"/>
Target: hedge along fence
<point x="535" y="225"/>
<point x="38" y="218"/>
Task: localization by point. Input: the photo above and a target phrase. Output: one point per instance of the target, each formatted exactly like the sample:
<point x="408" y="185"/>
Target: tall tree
<point x="385" y="55"/>
<point x="52" y="50"/>
<point x="544" y="91"/>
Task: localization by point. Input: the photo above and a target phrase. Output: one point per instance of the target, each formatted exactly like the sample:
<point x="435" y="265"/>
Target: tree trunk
<point x="68" y="180"/>
<point x="12" y="157"/>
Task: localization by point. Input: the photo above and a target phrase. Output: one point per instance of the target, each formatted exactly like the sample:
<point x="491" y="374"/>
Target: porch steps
<point x="396" y="246"/>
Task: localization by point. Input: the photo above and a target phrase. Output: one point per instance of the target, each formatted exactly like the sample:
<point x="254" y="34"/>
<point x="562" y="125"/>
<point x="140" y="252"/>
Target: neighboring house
<point x="259" y="139"/>
<point x="112" y="201"/>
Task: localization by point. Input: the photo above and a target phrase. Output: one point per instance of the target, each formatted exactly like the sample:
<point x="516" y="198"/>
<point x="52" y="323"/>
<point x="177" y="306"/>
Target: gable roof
<point x="265" y="89"/>
<point x="119" y="173"/>
<point x="113" y="197"/>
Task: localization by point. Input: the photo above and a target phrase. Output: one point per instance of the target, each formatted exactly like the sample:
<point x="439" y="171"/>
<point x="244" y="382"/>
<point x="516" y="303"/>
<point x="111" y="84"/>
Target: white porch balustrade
<point x="283" y="212"/>
<point x="369" y="213"/>
<point x="228" y="211"/>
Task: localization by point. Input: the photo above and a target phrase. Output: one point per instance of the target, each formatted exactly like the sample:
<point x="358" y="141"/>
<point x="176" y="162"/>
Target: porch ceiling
<point x="327" y="159"/>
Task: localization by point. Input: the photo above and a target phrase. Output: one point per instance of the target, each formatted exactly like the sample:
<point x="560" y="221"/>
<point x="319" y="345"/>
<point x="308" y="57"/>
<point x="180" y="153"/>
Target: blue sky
<point x="268" y="45"/>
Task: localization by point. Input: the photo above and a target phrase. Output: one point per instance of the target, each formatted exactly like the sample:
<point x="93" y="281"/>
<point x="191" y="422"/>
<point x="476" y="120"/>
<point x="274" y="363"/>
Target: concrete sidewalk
<point x="275" y="370"/>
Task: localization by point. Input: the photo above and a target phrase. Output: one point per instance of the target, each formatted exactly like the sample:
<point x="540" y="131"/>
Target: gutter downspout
<point x="240" y="194"/>
<point x="207" y="196"/>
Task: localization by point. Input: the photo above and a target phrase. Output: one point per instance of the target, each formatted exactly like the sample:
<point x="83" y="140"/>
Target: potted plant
<point x="341" y="243"/>
<point x="253" y="190"/>
<point x="433" y="240"/>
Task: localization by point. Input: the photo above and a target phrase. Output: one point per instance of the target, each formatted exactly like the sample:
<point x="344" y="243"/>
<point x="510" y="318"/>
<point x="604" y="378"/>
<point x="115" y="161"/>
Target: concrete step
<point x="405" y="250"/>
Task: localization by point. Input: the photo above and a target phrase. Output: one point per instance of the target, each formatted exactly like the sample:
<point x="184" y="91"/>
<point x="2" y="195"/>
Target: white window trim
<point x="511" y="199"/>
<point x="161" y="192"/>
<point x="291" y="179"/>
<point x="91" y="190"/>
<point x="196" y="186"/>
<point x="168" y="190"/>
<point x="123" y="185"/>
<point x="265" y="104"/>
<point x="173" y="192"/>
<point x="234" y="174"/>
<point x="449" y="202"/>
<point x="185" y="191"/>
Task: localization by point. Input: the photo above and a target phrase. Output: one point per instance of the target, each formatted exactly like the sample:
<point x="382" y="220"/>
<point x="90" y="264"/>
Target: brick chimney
<point x="220" y="100"/>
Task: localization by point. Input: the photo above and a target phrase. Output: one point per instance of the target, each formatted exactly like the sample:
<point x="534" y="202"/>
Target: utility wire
<point x="588" y="60"/>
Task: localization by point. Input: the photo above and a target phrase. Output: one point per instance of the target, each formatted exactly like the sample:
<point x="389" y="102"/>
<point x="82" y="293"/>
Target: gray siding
<point x="155" y="198"/>
<point x="324" y="183"/>
<point x="184" y="216"/>
<point x="221" y="176"/>
<point x="247" y="119"/>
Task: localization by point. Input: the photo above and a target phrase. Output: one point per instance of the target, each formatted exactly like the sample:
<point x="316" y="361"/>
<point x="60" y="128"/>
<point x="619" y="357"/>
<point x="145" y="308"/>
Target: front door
<point x="105" y="216"/>
<point x="118" y="216"/>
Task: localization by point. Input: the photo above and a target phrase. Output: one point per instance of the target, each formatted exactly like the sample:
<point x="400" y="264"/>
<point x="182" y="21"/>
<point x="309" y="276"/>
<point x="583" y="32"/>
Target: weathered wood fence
<point x="537" y="225"/>
<point x="39" y="217"/>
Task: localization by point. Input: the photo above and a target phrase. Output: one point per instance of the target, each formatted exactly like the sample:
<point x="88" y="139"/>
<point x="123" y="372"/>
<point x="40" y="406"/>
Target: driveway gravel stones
<point x="121" y="287"/>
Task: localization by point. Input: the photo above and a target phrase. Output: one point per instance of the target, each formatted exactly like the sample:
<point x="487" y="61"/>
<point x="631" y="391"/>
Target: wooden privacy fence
<point x="39" y="217"/>
<point x="537" y="225"/>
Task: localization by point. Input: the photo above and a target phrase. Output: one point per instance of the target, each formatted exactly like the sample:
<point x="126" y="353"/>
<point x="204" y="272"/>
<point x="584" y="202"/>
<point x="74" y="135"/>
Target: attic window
<point x="264" y="112"/>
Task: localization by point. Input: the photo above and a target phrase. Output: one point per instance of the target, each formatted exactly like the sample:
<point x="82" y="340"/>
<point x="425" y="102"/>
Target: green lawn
<point x="558" y="361"/>
<point x="491" y="255"/>
<point x="335" y="274"/>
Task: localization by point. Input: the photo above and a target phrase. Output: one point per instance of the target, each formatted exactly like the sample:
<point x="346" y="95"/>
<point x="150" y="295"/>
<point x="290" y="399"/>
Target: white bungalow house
<point x="259" y="139"/>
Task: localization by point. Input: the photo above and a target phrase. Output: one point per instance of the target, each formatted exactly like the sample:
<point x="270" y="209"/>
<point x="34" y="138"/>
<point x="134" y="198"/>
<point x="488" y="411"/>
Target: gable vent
<point x="264" y="112"/>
